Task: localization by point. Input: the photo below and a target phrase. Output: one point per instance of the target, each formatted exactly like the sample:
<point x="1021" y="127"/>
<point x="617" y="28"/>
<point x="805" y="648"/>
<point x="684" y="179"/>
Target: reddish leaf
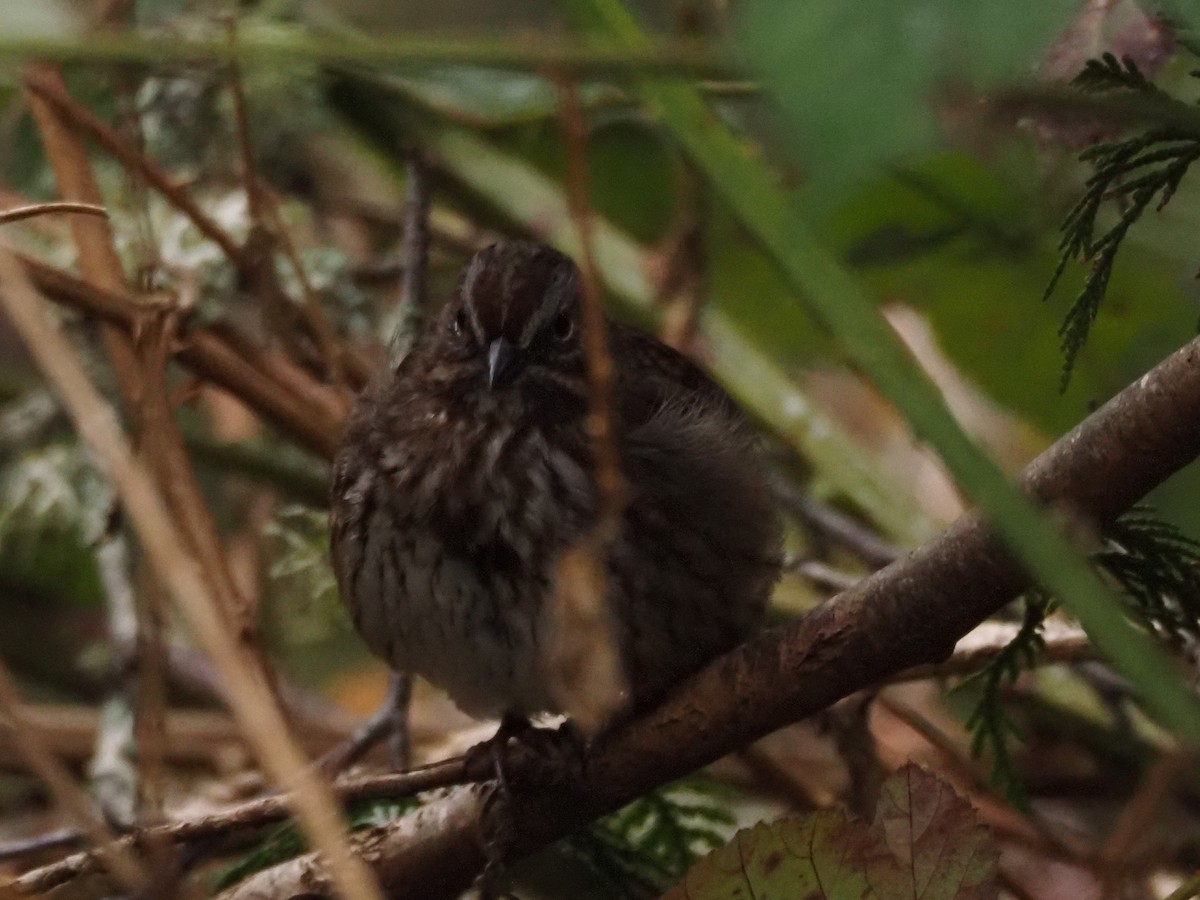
<point x="927" y="844"/>
<point x="924" y="845"/>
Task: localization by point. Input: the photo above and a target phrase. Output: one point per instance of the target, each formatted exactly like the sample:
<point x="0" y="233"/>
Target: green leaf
<point x="961" y="242"/>
<point x="840" y="302"/>
<point x="858" y="82"/>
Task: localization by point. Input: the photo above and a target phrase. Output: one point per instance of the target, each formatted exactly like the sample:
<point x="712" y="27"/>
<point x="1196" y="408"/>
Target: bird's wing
<point x="651" y="375"/>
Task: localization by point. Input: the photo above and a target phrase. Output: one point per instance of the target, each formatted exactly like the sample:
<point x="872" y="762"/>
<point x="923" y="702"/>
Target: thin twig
<point x="257" y="263"/>
<point x="69" y="797"/>
<point x="180" y="489"/>
<point x="584" y="670"/>
<point x="229" y="360"/>
<point x="151" y="720"/>
<point x="601" y="373"/>
<point x="280" y="367"/>
<point x="1116" y="857"/>
<point x="257" y="813"/>
<point x="821" y="574"/>
<point x="63" y="838"/>
<point x="412" y="303"/>
<point x="331" y="352"/>
<point x="92" y="235"/>
<point x="1031" y="831"/>
<point x="839" y="527"/>
<point x="242" y="127"/>
<point x="777" y="779"/>
<point x="680" y="286"/>
<point x="174" y="566"/>
<point x="1064" y="643"/>
<point x="16" y="214"/>
<point x="42" y="86"/>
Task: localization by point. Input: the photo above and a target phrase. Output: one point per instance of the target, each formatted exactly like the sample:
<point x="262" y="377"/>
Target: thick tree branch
<point x="909" y="614"/>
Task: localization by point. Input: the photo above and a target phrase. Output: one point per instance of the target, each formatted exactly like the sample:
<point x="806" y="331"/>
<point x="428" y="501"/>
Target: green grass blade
<point x="846" y="309"/>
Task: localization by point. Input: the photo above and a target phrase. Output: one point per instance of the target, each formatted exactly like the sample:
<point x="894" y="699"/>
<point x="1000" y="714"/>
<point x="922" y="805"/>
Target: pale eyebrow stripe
<point x="506" y="294"/>
<point x="557" y="288"/>
<point x="468" y="289"/>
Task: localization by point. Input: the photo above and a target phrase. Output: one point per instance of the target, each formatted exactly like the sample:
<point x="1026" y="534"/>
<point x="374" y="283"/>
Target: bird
<point x="466" y="471"/>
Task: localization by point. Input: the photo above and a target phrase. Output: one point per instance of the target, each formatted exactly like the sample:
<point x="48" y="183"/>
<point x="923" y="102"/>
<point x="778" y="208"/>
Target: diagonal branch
<point x="177" y="570"/>
<point x="46" y="87"/>
<point x="239" y="366"/>
<point x="910" y="613"/>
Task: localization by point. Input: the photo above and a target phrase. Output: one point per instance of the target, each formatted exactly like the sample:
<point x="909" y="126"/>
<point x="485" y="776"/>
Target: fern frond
<point x="991" y="728"/>
<point x="1132" y="173"/>
<point x="643" y="849"/>
<point x="1109" y="73"/>
<point x="1158" y="569"/>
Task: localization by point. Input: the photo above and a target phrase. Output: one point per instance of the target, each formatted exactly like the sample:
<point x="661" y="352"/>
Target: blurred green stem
<point x="837" y="299"/>
<point x="281" y="44"/>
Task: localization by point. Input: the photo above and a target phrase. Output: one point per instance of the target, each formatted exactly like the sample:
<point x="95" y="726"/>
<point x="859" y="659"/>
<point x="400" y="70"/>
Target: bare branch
<point x="1064" y="644"/>
<point x="175" y="567"/>
<point x="69" y="796"/>
<point x="118" y="775"/>
<point x="855" y="537"/>
<point x="601" y="375"/>
<point x="416" y="257"/>
<point x="16" y="214"/>
<point x="254" y="814"/>
<point x="45" y="87"/>
<point x="583" y="666"/>
<point x="236" y="365"/>
<point x="92" y="235"/>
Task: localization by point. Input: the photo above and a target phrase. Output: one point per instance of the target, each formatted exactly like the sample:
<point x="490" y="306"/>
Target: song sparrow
<point x="465" y="473"/>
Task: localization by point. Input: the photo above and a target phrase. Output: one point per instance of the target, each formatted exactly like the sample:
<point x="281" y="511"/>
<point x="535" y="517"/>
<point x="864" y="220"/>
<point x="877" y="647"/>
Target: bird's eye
<point x="563" y="326"/>
<point x="459" y="324"/>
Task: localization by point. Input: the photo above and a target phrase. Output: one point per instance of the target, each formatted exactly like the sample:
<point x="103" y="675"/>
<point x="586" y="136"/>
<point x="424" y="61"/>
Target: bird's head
<point x="514" y="319"/>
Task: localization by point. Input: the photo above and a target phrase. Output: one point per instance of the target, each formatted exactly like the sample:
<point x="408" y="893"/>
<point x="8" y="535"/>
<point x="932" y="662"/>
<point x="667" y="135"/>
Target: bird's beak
<point x="500" y="356"/>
